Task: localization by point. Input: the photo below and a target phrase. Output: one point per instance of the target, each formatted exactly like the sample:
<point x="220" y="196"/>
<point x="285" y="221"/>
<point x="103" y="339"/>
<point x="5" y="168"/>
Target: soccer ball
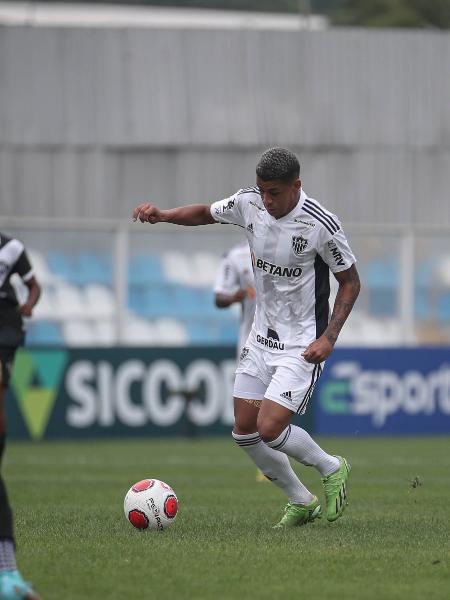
<point x="151" y="504"/>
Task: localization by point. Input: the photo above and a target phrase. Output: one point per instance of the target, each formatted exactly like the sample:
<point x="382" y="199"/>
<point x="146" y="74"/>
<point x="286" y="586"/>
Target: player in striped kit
<point x="294" y="243"/>
<point x="13" y="260"/>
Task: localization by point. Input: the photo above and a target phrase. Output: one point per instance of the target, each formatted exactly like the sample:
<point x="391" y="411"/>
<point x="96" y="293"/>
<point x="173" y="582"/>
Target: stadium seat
<point x="443" y="310"/>
<point x="99" y="301"/>
<point x="40" y="268"/>
<point x="105" y="332"/>
<point x="171" y="332"/>
<point x="205" y="265"/>
<point x="44" y="332"/>
<point x="157" y="301"/>
<point x="139" y="332"/>
<point x="93" y="268"/>
<point x="178" y="268"/>
<point x="70" y="302"/>
<point x="382" y="282"/>
<point x="60" y="264"/>
<point x="79" y="332"/>
<point x="47" y="307"/>
<point x="200" y="331"/>
<point x="144" y="269"/>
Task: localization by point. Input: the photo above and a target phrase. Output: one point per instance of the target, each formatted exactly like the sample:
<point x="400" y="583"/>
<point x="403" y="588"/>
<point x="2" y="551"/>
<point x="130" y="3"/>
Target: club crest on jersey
<point x="299" y="243"/>
<point x="244" y="353"/>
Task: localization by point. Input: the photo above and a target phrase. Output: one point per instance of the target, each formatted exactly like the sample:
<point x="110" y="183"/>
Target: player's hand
<point x="240" y="295"/>
<point x="26" y="310"/>
<point x="251" y="292"/>
<point x="318" y="351"/>
<point x="147" y="213"/>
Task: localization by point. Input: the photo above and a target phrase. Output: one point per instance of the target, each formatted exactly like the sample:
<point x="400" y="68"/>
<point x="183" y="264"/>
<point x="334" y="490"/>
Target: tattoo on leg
<point x="256" y="403"/>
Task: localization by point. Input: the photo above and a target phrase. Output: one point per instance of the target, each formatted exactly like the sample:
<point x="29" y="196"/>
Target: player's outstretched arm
<point x="193" y="214"/>
<point x="349" y="286"/>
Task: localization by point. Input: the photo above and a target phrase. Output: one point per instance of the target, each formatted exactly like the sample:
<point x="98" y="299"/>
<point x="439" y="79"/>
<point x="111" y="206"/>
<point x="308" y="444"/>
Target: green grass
<point x="74" y="542"/>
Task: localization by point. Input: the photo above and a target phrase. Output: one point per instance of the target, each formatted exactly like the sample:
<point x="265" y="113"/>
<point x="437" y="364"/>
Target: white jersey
<point x="291" y="259"/>
<point x="236" y="272"/>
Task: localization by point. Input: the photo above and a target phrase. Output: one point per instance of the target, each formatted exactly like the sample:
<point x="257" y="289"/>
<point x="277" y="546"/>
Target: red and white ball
<point x="151" y="504"/>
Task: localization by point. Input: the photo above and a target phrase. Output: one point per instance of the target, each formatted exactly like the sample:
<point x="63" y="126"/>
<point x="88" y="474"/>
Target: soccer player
<point x="294" y="243"/>
<point x="13" y="259"/>
<point x="235" y="283"/>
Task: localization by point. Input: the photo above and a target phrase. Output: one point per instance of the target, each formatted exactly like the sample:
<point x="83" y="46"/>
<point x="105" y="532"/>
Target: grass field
<point x="74" y="542"/>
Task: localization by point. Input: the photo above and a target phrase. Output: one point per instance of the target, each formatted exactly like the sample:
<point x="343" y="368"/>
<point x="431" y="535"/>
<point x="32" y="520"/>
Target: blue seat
<point x="93" y="268"/>
<point x="228" y="332"/>
<point x="422" y="306"/>
<point x="424" y="273"/>
<point x="82" y="269"/>
<point x="145" y="269"/>
<point x="201" y="331"/>
<point x="44" y="332"/>
<point x="382" y="273"/>
<point x="382" y="281"/>
<point x="443" y="310"/>
<point x="61" y="264"/>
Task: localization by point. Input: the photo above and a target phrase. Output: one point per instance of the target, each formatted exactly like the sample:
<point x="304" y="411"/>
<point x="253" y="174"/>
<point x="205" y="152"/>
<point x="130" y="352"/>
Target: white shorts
<point x="286" y="378"/>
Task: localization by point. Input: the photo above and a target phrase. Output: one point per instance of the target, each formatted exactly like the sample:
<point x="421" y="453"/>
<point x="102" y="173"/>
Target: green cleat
<point x="335" y="486"/>
<point x="299" y="514"/>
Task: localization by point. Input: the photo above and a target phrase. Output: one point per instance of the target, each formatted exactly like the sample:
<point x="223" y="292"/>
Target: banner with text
<point x="80" y="393"/>
<point x="385" y="391"/>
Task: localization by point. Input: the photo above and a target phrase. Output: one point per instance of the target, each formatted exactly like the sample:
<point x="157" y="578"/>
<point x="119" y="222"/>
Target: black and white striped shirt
<point x="13" y="259"/>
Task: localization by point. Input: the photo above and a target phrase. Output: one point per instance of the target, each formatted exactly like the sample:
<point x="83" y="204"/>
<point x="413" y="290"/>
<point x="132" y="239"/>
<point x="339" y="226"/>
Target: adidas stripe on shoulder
<point x="249" y="190"/>
<point x="323" y="216"/>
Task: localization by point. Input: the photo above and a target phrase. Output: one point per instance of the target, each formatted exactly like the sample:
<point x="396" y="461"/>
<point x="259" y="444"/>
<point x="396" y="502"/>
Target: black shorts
<point x="6" y="363"/>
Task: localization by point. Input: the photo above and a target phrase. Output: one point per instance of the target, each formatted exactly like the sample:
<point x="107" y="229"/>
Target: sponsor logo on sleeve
<point x="335" y="253"/>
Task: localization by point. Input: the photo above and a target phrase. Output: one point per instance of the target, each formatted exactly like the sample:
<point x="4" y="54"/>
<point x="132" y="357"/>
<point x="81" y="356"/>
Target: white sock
<point x="275" y="466"/>
<point x="296" y="442"/>
<point x="7" y="555"/>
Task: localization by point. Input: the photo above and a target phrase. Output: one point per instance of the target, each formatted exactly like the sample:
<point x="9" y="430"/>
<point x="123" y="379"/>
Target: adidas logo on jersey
<point x="250" y="227"/>
<point x="287" y="396"/>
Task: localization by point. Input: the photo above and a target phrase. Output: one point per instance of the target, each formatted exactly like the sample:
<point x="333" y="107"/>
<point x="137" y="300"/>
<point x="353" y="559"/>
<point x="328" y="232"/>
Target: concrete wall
<point x="93" y="121"/>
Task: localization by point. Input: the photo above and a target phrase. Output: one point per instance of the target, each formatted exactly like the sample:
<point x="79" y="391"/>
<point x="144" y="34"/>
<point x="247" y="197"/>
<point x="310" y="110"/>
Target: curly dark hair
<point x="278" y="163"/>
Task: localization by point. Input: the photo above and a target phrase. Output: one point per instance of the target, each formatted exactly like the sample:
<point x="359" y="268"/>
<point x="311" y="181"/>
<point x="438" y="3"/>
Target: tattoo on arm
<point x="349" y="286"/>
